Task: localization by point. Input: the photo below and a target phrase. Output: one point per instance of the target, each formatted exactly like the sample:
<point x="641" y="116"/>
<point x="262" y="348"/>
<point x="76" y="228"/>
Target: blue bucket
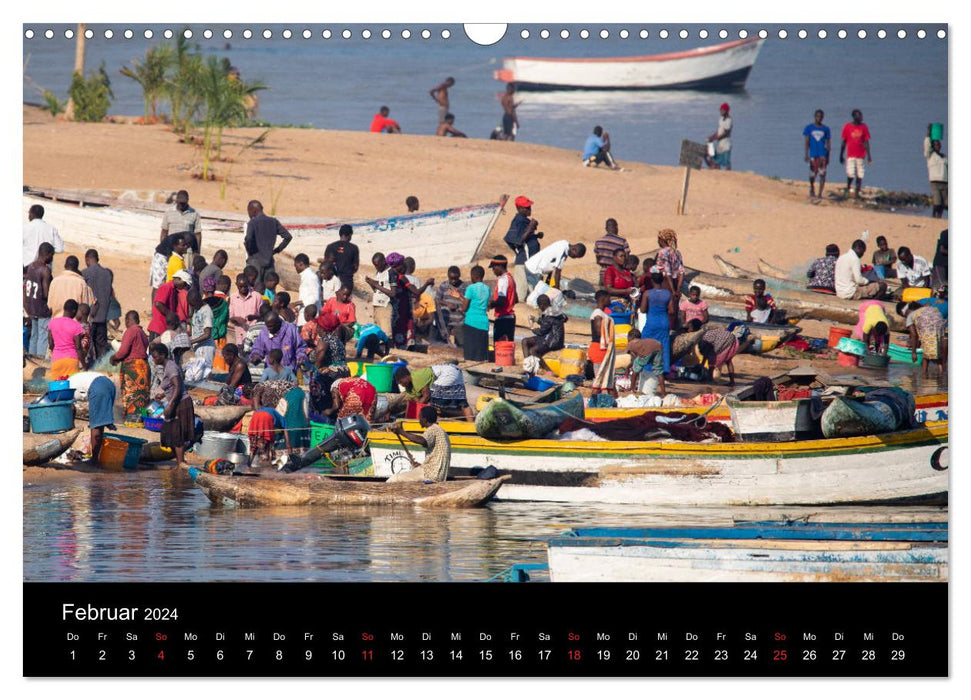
<point x="51" y="417"/>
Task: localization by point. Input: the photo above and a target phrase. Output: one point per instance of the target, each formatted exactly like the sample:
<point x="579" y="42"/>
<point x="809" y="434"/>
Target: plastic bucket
<point x="216" y="445"/>
<point x="621" y="318"/>
<point x="51" y="417"/>
<point x="571" y="361"/>
<point x="505" y="353"/>
<point x="620" y="335"/>
<point x="844" y="360"/>
<point x="380" y="375"/>
<point x="915" y="294"/>
<point x="937" y="132"/>
<point x="152" y="423"/>
<point x="132" y="452"/>
<point x="113" y="454"/>
<point x="413" y="408"/>
<point x="539" y="384"/>
<point x="836" y="333"/>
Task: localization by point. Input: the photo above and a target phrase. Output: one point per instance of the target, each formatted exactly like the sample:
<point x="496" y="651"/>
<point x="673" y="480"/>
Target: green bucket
<point x="380" y="375"/>
<point x="937" y="132"/>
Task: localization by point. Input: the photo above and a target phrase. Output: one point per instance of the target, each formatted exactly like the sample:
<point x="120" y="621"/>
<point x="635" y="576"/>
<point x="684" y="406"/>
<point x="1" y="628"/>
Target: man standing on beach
<point x="37" y="231"/>
<point x="597" y="149"/>
<point x="381" y="123"/>
<point x="439" y="93"/>
<point x="522" y="236"/>
<point x="510" y="122"/>
<point x="101" y="281"/>
<point x="855" y="147"/>
<point x="850" y="282"/>
<point x="936" y="173"/>
<point x="183" y="219"/>
<point x="261" y="234"/>
<point x="607" y="245"/>
<point x="37" y="284"/>
<point x="68" y="285"/>
<point x="344" y="256"/>
<point x="503" y="302"/>
<point x="722" y="140"/>
<point x="817" y="140"/>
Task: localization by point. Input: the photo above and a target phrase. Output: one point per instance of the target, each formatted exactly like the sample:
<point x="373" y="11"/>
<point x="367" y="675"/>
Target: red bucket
<point x="836" y="334"/>
<point x="413" y="408"/>
<point x="844" y="360"/>
<point x="505" y="353"/>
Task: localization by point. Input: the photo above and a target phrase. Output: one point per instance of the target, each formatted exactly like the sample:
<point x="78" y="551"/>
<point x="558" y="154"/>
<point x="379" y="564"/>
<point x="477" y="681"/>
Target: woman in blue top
<point x="475" y="327"/>
<point x="657" y="308"/>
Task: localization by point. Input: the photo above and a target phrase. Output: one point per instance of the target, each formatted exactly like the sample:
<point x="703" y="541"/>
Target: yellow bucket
<point x="571" y="361"/>
<point x="914" y="294"/>
<point x="620" y="336"/>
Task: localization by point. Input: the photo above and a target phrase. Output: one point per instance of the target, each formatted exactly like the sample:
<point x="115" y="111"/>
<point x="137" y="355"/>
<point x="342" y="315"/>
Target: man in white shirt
<point x="37" y="231"/>
<point x="912" y="269"/>
<point x="850" y="282"/>
<point x="381" y="302"/>
<point x="309" y="286"/>
<point x="549" y="261"/>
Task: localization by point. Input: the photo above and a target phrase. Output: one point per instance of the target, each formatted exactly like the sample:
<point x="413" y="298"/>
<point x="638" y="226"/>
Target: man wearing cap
<point x="183" y="219"/>
<point x="260" y="241"/>
<point x="167" y="301"/>
<point x="548" y="263"/>
<point x="722" y="140"/>
<point x="522" y="236"/>
<point x="503" y="302"/>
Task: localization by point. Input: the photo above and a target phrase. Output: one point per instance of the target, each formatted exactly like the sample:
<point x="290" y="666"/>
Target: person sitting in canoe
<point x="760" y="306"/>
<point x="645" y="353"/>
<point x="438" y="450"/>
<point x="549" y="333"/>
<point x="822" y="271"/>
<point x="441" y="386"/>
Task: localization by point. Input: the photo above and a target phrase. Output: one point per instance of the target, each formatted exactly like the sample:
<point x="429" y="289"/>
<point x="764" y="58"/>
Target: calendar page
<point x="517" y="350"/>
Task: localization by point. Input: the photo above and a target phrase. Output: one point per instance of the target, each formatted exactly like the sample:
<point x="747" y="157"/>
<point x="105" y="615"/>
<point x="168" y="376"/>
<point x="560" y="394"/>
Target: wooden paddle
<point x="407" y="452"/>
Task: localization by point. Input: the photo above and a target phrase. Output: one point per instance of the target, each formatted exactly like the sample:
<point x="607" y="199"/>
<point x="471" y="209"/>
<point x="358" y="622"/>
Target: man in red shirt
<point x="503" y="302"/>
<point x="381" y="123"/>
<point x="167" y="301"/>
<point x="855" y="147"/>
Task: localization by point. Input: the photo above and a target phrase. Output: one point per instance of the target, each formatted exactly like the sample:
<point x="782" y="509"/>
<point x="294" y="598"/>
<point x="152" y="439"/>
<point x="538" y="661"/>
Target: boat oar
<point x="407" y="452"/>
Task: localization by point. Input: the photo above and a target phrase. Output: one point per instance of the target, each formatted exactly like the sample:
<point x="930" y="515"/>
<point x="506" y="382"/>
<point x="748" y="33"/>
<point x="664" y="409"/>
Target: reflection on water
<point x="156" y="526"/>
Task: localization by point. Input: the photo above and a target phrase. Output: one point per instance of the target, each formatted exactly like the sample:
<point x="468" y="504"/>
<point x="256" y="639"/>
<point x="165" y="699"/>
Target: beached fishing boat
<point x="721" y="67"/>
<point x="437" y="238"/>
<point x="317" y="489"/>
<point x="40" y="449"/>
<point x="773" y="277"/>
<point x="754" y="552"/>
<point x="899" y="466"/>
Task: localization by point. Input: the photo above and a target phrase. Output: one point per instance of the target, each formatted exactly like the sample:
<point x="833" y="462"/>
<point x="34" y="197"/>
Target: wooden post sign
<point x="692" y="156"/>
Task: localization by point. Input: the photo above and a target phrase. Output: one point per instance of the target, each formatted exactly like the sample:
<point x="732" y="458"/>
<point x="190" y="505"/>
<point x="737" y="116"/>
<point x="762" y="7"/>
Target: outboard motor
<point x="350" y="433"/>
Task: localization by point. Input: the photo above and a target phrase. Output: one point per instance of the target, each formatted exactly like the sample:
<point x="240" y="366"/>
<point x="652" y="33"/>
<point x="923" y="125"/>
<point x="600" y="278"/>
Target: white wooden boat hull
<point x="745" y="561"/>
<point x="437" y="239"/>
<point x="725" y="66"/>
<point x="772" y="420"/>
<point x="895" y="467"/>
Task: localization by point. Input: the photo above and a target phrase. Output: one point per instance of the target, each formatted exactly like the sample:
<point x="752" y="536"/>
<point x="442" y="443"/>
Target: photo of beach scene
<point x="589" y="303"/>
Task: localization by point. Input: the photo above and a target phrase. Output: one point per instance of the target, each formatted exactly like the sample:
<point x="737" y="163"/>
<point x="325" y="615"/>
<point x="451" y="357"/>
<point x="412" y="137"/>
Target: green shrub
<point x="91" y="96"/>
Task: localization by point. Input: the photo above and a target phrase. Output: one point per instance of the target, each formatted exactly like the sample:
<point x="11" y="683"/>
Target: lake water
<point x="899" y="84"/>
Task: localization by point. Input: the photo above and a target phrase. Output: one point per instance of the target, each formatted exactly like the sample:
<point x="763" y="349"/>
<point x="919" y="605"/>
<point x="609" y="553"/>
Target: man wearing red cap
<point x="503" y="301"/>
<point x="722" y="141"/>
<point x="522" y="236"/>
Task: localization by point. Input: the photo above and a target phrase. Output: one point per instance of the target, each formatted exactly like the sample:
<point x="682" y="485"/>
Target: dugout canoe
<point x="773" y="277"/>
<point x="42" y="448"/>
<point x="720" y="67"/>
<point x="767" y="268"/>
<point x="320" y="490"/>
<point x="895" y="467"/>
<point x="754" y="552"/>
<point x="220" y="418"/>
<point x="507" y="420"/>
<point x="130" y="225"/>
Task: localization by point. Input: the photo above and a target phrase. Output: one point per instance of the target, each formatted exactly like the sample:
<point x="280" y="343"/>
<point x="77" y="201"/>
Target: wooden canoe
<point x="720" y="67"/>
<point x="767" y="268"/>
<point x="317" y="489"/>
<point x="42" y="448"/>
<point x="760" y="551"/>
<point x="774" y="276"/>
<point x="220" y="418"/>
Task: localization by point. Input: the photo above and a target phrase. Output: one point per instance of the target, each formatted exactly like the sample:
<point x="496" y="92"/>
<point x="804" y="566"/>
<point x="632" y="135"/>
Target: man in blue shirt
<point x="817" y="138"/>
<point x="597" y="149"/>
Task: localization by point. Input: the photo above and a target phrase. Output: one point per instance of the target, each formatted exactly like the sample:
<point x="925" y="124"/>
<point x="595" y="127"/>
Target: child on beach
<point x="548" y="335"/>
<point x="329" y="282"/>
<point x="883" y="258"/>
<point x="271" y="286"/>
<point x="310" y="331"/>
<point x="274" y="368"/>
<point x="760" y="306"/>
<point x="342" y="306"/>
<point x="693" y="308"/>
<point x="281" y="304"/>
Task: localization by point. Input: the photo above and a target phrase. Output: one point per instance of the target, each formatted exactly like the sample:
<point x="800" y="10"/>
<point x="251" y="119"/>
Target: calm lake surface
<point x="899" y="84"/>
